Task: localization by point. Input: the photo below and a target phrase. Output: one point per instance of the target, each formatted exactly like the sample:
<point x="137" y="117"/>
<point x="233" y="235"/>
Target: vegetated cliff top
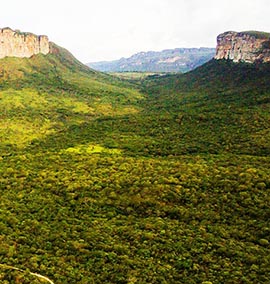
<point x="19" y="32"/>
<point x="257" y="34"/>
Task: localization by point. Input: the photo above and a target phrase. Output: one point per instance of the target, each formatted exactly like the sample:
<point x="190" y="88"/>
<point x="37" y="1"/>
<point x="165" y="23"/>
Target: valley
<point x="164" y="179"/>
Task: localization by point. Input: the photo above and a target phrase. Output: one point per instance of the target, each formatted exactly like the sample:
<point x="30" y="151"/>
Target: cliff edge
<point x="250" y="47"/>
<point x="19" y="44"/>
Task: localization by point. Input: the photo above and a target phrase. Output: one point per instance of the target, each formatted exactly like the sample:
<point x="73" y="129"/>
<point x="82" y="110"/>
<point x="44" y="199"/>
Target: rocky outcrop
<point x="248" y="47"/>
<point x="18" y="44"/>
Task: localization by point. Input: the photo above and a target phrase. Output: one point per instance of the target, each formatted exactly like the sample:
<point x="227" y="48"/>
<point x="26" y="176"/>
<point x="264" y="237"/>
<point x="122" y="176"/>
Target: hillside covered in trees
<point x="165" y="180"/>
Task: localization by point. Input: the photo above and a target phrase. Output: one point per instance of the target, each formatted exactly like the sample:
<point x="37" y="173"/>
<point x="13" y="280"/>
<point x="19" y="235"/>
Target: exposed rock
<point x="248" y="47"/>
<point x="18" y="44"/>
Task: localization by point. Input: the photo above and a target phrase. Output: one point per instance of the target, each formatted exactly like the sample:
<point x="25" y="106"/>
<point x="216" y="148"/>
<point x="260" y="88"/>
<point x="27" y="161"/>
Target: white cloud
<point x="104" y="29"/>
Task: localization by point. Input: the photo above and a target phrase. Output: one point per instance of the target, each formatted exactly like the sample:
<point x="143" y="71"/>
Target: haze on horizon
<point x="95" y="30"/>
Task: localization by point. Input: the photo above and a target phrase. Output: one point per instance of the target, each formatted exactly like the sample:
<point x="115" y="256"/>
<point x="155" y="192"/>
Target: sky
<point x="97" y="30"/>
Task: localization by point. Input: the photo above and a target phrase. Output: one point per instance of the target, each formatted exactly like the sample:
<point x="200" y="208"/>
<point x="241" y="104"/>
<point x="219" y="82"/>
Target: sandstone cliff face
<point x="17" y="44"/>
<point x="243" y="47"/>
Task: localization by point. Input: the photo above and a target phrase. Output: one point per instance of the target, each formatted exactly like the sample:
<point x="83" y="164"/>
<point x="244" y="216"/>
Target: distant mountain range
<point x="169" y="60"/>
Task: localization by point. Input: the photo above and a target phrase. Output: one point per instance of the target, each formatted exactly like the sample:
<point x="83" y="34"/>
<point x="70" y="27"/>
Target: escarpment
<point x="19" y="44"/>
<point x="247" y="47"/>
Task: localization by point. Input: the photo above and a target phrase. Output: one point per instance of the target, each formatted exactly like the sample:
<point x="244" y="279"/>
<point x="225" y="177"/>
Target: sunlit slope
<point x="46" y="94"/>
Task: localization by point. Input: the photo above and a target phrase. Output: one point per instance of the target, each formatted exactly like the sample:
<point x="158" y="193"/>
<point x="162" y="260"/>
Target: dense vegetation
<point x="258" y="34"/>
<point x="103" y="183"/>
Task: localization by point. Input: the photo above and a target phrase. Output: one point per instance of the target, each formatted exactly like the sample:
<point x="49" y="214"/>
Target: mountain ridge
<point x="167" y="60"/>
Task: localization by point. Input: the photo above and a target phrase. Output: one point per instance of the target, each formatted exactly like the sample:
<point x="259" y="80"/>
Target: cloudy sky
<point x="95" y="30"/>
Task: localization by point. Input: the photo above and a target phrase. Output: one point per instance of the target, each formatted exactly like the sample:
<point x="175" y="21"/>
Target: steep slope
<point x="223" y="106"/>
<point x="169" y="60"/>
<point x="46" y="93"/>
<point x="216" y="76"/>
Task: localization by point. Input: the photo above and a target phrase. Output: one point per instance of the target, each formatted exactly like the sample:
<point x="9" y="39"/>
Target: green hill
<point x="46" y="94"/>
<point x="219" y="107"/>
<point x="104" y="183"/>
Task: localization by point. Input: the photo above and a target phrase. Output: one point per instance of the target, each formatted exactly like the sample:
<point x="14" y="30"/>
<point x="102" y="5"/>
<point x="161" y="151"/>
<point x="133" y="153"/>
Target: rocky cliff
<point x="248" y="46"/>
<point x="18" y="44"/>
